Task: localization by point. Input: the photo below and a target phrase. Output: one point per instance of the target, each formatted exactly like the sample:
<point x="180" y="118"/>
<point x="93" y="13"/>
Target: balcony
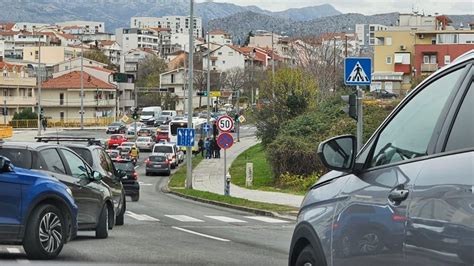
<point x="429" y="67"/>
<point x="404" y="68"/>
<point x="19" y="100"/>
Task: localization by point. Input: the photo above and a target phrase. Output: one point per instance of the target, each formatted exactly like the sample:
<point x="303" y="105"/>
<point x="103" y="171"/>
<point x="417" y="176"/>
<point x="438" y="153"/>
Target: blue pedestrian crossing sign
<point x="186" y="137"/>
<point x="357" y="71"/>
<point x="207" y="127"/>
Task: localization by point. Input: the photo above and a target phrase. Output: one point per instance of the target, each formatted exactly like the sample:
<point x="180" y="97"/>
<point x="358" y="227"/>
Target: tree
<point x="247" y="40"/>
<point x="200" y="83"/>
<point x="291" y="93"/>
<point x="235" y="80"/>
<point x="149" y="71"/>
<point x="25" y="114"/>
<point x="100" y="57"/>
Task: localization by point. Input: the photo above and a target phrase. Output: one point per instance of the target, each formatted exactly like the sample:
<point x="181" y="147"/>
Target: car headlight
<point x="69" y="191"/>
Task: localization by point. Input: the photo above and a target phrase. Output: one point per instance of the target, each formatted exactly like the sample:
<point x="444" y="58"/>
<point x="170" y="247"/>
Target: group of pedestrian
<point x="209" y="148"/>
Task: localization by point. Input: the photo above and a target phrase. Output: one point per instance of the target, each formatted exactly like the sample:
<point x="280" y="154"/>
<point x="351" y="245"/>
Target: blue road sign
<point x="186" y="137"/>
<point x="357" y="71"/>
<point x="207" y="127"/>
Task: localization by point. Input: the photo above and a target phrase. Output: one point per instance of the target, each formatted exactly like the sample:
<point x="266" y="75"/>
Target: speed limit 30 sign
<point x="225" y="123"/>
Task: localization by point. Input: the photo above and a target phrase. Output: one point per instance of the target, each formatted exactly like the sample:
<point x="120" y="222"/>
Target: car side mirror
<point x="338" y="153"/>
<point x="96" y="176"/>
<point x="5" y="165"/>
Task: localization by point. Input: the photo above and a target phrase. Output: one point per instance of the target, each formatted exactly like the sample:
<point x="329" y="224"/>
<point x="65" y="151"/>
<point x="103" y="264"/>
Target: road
<point x="165" y="229"/>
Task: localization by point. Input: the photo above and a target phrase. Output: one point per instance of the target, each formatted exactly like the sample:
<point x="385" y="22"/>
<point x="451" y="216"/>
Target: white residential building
<point x="130" y="39"/>
<point x="75" y="63"/>
<point x="224" y="58"/>
<point x="219" y="37"/>
<point x="88" y="27"/>
<point x="177" y="24"/>
<point x="175" y="81"/>
<point x="366" y="33"/>
<point x="112" y="50"/>
<point x="129" y="60"/>
<point x="28" y="26"/>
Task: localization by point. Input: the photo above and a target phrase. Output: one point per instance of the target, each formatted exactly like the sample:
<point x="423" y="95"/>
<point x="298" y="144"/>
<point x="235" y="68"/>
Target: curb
<point x="166" y="189"/>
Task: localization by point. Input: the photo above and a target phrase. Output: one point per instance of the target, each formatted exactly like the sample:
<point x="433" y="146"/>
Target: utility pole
<point x="82" y="83"/>
<point x="208" y="83"/>
<point x="238" y="115"/>
<point x="189" y="150"/>
<point x="345" y="53"/>
<point x="273" y="69"/>
<point x="4" y="111"/>
<point x="39" y="78"/>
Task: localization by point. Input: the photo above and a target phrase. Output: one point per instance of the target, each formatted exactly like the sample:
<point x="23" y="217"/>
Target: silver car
<point x="145" y="143"/>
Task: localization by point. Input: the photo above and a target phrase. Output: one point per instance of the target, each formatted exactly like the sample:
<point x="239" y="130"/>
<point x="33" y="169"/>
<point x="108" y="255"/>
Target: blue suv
<point x="36" y="211"/>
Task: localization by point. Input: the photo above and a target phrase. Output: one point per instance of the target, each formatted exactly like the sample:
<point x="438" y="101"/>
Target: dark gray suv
<point x="407" y="197"/>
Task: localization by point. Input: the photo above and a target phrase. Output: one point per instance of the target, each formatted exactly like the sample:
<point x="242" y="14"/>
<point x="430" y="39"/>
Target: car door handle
<point x="398" y="194"/>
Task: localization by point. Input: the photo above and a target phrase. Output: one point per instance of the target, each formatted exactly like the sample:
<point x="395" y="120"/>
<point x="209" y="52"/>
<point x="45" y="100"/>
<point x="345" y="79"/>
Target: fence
<point x="88" y="122"/>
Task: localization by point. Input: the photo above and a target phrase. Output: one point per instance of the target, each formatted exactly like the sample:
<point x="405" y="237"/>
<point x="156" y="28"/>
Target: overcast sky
<point x="367" y="7"/>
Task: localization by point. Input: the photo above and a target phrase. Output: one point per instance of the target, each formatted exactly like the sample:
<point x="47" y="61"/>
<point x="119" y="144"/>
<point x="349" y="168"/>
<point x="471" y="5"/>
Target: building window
<point x="219" y="53"/>
<point x="231" y="53"/>
<point x="223" y="62"/>
<point x="213" y="63"/>
<point x="61" y="116"/>
<point x="447" y="59"/>
<point x="388" y="41"/>
<point x="388" y="60"/>
<point x="172" y="78"/>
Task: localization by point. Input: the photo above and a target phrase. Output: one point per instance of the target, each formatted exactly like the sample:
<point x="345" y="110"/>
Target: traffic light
<point x="4" y="111"/>
<point x="135" y="113"/>
<point x="351" y="100"/>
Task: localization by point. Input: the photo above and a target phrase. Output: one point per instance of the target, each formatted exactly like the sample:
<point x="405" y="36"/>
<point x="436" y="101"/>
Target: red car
<point x="162" y="136"/>
<point x="116" y="140"/>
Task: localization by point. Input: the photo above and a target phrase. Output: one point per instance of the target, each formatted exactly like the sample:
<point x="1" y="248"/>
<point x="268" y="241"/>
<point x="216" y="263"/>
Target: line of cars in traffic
<point x="50" y="191"/>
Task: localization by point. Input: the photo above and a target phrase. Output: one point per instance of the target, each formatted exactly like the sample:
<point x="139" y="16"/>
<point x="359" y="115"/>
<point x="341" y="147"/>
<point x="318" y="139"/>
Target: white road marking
<point x="184" y="218"/>
<point x="141" y="217"/>
<point x="226" y="219"/>
<point x="23" y="261"/>
<point x="144" y="184"/>
<point x="14" y="250"/>
<point x="199" y="234"/>
<point x="137" y="166"/>
<point x="266" y="219"/>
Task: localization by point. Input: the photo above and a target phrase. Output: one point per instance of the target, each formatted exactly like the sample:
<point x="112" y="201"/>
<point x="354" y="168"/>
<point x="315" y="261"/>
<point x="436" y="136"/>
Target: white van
<point x="150" y="114"/>
<point x="169" y="113"/>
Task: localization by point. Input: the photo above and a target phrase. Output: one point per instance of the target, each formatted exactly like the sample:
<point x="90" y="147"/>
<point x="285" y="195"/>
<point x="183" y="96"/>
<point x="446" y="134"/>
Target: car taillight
<point x="147" y="161"/>
<point x="399" y="218"/>
<point x="135" y="176"/>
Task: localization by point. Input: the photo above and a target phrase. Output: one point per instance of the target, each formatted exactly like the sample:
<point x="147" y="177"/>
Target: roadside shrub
<point x="25" y="114"/>
<point x="297" y="182"/>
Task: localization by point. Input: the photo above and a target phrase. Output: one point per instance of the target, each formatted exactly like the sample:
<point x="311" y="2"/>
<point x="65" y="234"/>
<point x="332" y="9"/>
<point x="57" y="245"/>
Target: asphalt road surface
<point x="165" y="229"/>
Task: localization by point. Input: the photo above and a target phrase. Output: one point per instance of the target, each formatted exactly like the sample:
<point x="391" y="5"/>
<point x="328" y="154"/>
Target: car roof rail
<point x="90" y="140"/>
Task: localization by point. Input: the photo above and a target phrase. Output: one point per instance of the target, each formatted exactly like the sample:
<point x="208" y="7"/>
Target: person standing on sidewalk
<point x="201" y="147"/>
<point x="45" y="123"/>
<point x="207" y="147"/>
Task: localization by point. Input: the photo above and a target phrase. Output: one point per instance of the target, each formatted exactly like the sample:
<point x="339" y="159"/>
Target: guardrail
<point x="52" y="123"/>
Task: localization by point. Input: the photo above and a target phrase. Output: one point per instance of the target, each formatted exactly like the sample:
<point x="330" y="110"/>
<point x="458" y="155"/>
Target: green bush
<point x="297" y="182"/>
<point x="25" y="114"/>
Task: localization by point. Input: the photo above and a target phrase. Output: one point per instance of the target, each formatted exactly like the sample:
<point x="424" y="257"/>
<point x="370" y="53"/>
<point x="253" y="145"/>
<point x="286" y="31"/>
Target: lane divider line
<point x="199" y="234"/>
<point x="184" y="218"/>
<point x="14" y="250"/>
<point x="141" y="217"/>
<point x="225" y="219"/>
<point x="267" y="219"/>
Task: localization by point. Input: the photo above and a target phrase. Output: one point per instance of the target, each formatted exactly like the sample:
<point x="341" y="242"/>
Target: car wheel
<point x="168" y="173"/>
<point x="136" y="197"/>
<point x="102" y="230"/>
<point x="307" y="257"/>
<point x="147" y="174"/>
<point x="45" y="233"/>
<point x="121" y="217"/>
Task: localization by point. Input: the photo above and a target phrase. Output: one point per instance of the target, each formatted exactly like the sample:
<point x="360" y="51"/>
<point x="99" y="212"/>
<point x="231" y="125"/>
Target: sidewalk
<point x="209" y="176"/>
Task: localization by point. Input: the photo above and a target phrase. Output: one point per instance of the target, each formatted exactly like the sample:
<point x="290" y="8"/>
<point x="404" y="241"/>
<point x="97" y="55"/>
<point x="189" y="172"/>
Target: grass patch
<point x="236" y="201"/>
<point x="178" y="178"/>
<point x="262" y="172"/>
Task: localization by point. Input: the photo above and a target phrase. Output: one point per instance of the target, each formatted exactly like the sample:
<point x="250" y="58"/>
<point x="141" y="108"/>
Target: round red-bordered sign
<point x="225" y="123"/>
<point x="225" y="140"/>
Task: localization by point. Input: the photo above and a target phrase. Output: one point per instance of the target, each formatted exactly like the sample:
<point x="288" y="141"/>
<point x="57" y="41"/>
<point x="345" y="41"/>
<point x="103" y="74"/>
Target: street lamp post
<point x="208" y="83"/>
<point x="40" y="80"/>
<point x="82" y="83"/>
<point x="189" y="150"/>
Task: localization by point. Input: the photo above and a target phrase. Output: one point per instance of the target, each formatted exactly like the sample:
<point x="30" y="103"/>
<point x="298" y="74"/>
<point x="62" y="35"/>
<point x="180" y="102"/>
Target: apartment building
<point x="112" y="50"/>
<point x="50" y="55"/>
<point x="342" y="42"/>
<point x="264" y="39"/>
<point x="12" y="43"/>
<point x="29" y="26"/>
<point x="86" y="27"/>
<point x="61" y="97"/>
<point x="134" y="38"/>
<point x="366" y="33"/>
<point x="75" y="62"/>
<point x="419" y="46"/>
<point x="175" y="82"/>
<point x="17" y="88"/>
<point x="177" y="24"/>
<point x="129" y="61"/>
<point x="223" y="57"/>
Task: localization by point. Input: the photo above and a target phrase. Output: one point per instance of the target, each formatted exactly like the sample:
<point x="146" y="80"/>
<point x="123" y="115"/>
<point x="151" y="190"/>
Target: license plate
<point x="158" y="166"/>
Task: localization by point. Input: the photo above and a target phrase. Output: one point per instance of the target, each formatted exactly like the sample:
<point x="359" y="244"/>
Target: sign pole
<point x="189" y="150"/>
<point x="226" y="184"/>
<point x="360" y="122"/>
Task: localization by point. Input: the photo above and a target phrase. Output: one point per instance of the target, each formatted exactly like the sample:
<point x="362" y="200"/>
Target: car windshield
<point x="115" y="124"/>
<point x="116" y="137"/>
<point x="163" y="134"/>
<point x="148" y="113"/>
<point x="166" y="113"/>
<point x="163" y="149"/>
<point x="143" y="139"/>
<point x="124" y="166"/>
<point x="18" y="157"/>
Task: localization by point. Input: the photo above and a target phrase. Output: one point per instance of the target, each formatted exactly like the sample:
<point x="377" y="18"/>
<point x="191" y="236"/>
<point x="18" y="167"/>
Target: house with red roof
<point x="61" y="97"/>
